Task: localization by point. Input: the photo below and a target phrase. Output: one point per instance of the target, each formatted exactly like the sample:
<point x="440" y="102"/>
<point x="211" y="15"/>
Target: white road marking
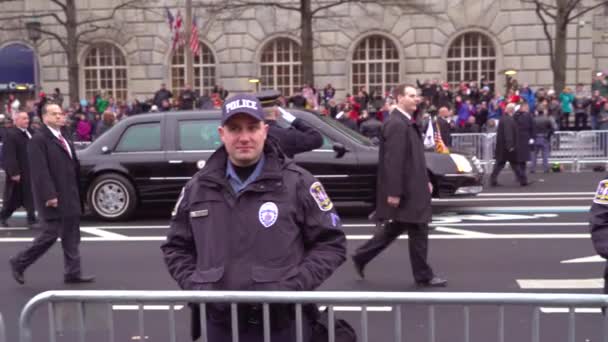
<point x="359" y="308"/>
<point x="589" y="259"/>
<point x="510" y="194"/>
<point x="520" y="224"/>
<point x="528" y="209"/>
<point x="519" y="199"/>
<point x="559" y="284"/>
<point x="461" y="231"/>
<point x="551" y="310"/>
<point x="101" y="233"/>
<point x="146" y="307"/>
<point x="348" y="237"/>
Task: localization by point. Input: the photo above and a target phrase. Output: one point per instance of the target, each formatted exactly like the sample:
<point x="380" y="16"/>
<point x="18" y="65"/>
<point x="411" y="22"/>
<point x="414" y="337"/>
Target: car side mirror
<point x="340" y="150"/>
<point x="105" y="150"/>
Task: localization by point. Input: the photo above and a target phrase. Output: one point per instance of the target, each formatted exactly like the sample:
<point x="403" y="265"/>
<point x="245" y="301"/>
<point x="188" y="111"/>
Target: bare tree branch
<point x="63" y="6"/>
<point x="130" y="3"/>
<point x="330" y="5"/>
<point x="547" y="33"/>
<point x="586" y="10"/>
<point x="35" y="16"/>
<point x="240" y="4"/>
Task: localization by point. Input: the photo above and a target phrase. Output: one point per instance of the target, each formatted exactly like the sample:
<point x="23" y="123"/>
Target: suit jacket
<point x="506" y="139"/>
<point x="402" y="172"/>
<point x="14" y="156"/>
<point x="54" y="175"/>
<point x="525" y="131"/>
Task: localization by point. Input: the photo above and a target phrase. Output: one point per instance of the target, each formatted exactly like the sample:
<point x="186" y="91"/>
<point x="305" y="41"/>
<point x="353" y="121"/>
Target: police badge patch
<point x="601" y="194"/>
<point x="268" y="214"/>
<point x="318" y="193"/>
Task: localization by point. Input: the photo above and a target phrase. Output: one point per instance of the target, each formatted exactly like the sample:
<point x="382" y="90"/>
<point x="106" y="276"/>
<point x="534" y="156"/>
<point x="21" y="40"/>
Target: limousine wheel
<point x="112" y="197"/>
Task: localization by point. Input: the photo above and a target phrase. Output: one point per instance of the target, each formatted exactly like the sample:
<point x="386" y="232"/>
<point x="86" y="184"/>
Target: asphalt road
<point x="508" y="239"/>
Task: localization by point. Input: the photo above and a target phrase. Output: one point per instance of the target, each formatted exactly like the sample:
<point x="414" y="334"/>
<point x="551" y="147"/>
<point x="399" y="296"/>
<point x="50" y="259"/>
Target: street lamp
<point x="255" y="81"/>
<point x="33" y="31"/>
<point x="509" y="73"/>
<point x="34" y="34"/>
<point x="579" y="26"/>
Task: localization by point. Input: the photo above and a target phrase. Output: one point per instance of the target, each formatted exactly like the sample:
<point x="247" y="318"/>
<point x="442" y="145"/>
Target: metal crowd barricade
<point x="592" y="147"/>
<point x="480" y="145"/>
<point x="564" y="148"/>
<point x="396" y="300"/>
<point x="2" y="330"/>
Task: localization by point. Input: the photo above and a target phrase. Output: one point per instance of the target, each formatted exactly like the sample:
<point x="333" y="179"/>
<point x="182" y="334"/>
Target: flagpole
<point x="187" y="51"/>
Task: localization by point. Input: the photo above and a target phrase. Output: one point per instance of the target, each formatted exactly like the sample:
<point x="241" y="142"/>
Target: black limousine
<point x="148" y="158"/>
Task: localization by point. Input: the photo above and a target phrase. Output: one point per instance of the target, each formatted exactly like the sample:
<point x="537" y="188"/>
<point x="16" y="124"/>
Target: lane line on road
<point x="508" y="194"/>
<point x="551" y="310"/>
<point x="519" y="199"/>
<point x="589" y="259"/>
<point x="101" y="233"/>
<point x="522" y="209"/>
<point x="348" y="237"/>
<point x="461" y="231"/>
<point x="561" y="284"/>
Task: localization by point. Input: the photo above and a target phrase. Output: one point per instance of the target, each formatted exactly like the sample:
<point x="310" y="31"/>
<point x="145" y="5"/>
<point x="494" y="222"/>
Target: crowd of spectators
<point x="472" y="107"/>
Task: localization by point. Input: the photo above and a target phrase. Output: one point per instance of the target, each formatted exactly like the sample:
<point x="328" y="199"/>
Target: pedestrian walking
<point x="525" y="137"/>
<point x="55" y="182"/>
<point x="17" y="186"/>
<point x="403" y="191"/>
<point x="544" y="127"/>
<point x="252" y="220"/>
<point x="506" y="147"/>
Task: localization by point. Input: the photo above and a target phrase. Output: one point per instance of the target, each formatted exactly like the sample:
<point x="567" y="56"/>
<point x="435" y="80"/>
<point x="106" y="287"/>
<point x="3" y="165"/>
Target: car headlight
<point x="462" y="163"/>
<point x="477" y="164"/>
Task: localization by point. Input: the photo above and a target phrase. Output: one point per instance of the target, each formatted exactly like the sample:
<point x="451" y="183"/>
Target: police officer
<point x="599" y="225"/>
<point x="298" y="137"/>
<point x="252" y="220"/>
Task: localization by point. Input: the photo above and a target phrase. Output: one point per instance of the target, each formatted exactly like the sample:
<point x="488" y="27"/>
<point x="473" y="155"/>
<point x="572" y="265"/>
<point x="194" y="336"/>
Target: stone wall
<point x="237" y="38"/>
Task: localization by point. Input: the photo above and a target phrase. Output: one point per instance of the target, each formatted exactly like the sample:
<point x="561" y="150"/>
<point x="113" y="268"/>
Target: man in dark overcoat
<point x="507" y="147"/>
<point x="55" y="181"/>
<point x="525" y="137"/>
<point x="17" y="187"/>
<point x="403" y="190"/>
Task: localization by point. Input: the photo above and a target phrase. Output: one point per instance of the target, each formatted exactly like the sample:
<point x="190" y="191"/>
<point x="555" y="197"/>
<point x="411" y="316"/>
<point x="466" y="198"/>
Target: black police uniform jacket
<point x="300" y="137"/>
<point x="279" y="233"/>
<point x="598" y="220"/>
<point x="402" y="172"/>
<point x="15" y="161"/>
<point x="54" y="175"/>
<point x="506" y="139"/>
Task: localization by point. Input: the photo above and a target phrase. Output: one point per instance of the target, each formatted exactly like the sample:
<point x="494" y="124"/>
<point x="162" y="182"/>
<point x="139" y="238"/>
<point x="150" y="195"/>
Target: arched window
<point x="204" y="70"/>
<point x="471" y="57"/>
<point x="281" y="66"/>
<point x="105" y="71"/>
<point x="375" y="65"/>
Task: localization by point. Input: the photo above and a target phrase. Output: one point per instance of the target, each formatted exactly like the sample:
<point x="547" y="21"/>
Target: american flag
<point x="194" y="40"/>
<point x="440" y="146"/>
<point x="176" y="28"/>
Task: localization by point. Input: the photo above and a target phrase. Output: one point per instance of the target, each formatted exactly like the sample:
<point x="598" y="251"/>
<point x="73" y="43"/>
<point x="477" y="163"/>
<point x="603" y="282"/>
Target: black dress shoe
<point x="434" y="282"/>
<point x="79" y="279"/>
<point x="494" y="183"/>
<point x="358" y="268"/>
<point x="17" y="274"/>
<point x="527" y="183"/>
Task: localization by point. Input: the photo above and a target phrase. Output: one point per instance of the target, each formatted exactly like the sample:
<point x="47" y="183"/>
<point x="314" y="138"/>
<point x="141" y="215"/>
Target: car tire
<point x="112" y="197"/>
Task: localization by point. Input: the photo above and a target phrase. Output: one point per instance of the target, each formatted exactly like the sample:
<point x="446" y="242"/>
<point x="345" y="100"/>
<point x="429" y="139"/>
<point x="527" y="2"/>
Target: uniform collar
<point x="235" y="182"/>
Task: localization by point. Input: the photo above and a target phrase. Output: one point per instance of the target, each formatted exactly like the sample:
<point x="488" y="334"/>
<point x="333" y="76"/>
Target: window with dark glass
<point x="140" y="138"/>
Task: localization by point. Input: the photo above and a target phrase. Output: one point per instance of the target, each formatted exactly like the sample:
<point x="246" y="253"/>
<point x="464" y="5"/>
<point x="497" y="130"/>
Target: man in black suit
<point x="507" y="143"/>
<point x="17" y="188"/>
<point x="403" y="191"/>
<point x="55" y="180"/>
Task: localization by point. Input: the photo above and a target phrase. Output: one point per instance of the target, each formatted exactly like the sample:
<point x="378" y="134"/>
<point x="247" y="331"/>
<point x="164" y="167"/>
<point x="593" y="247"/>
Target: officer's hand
<point x="16" y="178"/>
<point x="531" y="141"/>
<point x="393" y="201"/>
<point x="52" y="203"/>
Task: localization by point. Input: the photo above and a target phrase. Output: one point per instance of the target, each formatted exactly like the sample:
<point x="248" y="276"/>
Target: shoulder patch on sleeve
<point x="601" y="194"/>
<point x="320" y="196"/>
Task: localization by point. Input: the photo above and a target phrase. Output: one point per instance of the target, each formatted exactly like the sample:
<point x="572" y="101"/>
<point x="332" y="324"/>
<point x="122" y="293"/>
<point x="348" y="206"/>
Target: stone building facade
<point x="370" y="46"/>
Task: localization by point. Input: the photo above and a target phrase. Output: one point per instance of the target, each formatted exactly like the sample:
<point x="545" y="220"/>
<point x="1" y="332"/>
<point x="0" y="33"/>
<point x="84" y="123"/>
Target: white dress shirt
<point x="58" y="135"/>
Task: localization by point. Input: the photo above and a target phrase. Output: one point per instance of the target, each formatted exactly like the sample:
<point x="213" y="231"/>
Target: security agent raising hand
<point x="252" y="220"/>
<point x="299" y="137"/>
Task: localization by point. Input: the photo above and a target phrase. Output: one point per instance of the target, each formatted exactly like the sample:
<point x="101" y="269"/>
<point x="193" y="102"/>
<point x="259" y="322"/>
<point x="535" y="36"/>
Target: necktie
<point x="27" y="134"/>
<point x="65" y="145"/>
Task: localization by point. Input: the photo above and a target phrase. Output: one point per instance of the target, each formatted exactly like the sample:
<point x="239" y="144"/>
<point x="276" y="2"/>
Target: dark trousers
<point x="541" y="145"/>
<point x="16" y="194"/>
<point x="564" y="121"/>
<point x="580" y="121"/>
<point x="255" y="333"/>
<point x="68" y="228"/>
<point x="519" y="168"/>
<point x="418" y="247"/>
